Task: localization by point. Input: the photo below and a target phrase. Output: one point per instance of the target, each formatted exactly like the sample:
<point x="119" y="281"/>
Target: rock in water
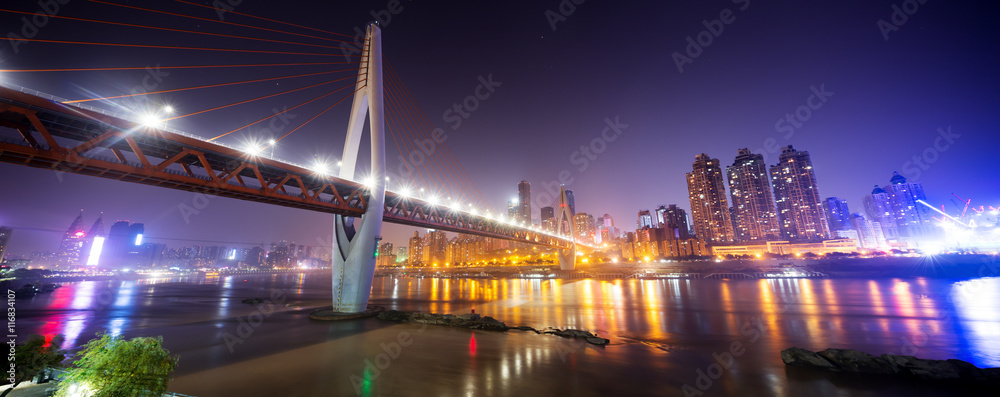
<point x="798" y="357"/>
<point x="853" y="361"/>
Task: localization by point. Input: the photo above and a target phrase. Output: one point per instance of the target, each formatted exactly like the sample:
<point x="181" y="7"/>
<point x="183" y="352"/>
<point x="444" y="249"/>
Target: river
<point x="668" y="337"/>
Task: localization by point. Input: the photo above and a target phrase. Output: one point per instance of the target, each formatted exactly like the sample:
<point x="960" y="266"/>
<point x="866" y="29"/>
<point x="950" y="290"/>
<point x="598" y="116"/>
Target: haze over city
<point x="389" y="197"/>
<point x="887" y="100"/>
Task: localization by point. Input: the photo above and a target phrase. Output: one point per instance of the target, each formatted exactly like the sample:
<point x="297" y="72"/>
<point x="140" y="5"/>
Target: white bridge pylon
<point x="354" y="248"/>
<point x="567" y="257"/>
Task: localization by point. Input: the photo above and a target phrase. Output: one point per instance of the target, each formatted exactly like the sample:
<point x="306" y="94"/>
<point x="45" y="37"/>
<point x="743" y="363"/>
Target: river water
<point x="668" y="337"/>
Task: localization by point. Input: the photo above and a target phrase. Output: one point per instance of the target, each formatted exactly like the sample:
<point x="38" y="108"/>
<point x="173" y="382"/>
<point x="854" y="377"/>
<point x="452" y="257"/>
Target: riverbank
<point x="951" y="266"/>
<point x="664" y="334"/>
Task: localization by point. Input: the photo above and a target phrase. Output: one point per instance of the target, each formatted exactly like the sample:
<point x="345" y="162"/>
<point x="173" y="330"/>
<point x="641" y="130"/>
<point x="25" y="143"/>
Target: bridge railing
<point x="134" y="119"/>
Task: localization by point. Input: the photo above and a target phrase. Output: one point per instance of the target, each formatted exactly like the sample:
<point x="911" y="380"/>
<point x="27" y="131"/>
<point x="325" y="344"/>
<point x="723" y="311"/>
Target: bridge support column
<point x="354" y="247"/>
<point x="567" y="258"/>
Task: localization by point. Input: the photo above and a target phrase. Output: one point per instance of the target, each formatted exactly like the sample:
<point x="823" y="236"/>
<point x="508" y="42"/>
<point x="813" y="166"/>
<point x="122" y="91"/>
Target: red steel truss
<point x="43" y="133"/>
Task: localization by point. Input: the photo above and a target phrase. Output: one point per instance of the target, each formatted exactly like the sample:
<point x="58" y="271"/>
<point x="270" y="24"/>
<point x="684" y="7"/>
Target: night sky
<point x="885" y="100"/>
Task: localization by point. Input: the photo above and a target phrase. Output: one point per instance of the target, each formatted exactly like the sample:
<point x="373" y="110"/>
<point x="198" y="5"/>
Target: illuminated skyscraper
<point x="435" y="244"/>
<point x="645" y="220"/>
<point x="415" y="255"/>
<point x="513" y="209"/>
<point x="837" y="214"/>
<point x="548" y="218"/>
<point x="571" y="201"/>
<point x="709" y="208"/>
<point x="524" y="202"/>
<point x="94" y="244"/>
<point x="5" y="233"/>
<point x="583" y="223"/>
<point x="753" y="208"/>
<point x="800" y="211"/>
<point x="675" y="221"/>
<point x="912" y="218"/>
<point x="73" y="240"/>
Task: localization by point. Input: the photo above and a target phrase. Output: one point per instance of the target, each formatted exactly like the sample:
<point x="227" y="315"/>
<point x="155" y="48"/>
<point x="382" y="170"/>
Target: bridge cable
<point x="443" y="184"/>
<point x="391" y="126"/>
<point x="406" y="129"/>
<point x="173" y="29"/>
<point x="215" y="21"/>
<point x="278" y="113"/>
<point x="266" y="19"/>
<point x="446" y="149"/>
<point x="208" y="86"/>
<point x="398" y="127"/>
<point x="319" y="114"/>
<point x="164" y="46"/>
<point x="176" y="67"/>
<point x="449" y="173"/>
<point x="257" y="99"/>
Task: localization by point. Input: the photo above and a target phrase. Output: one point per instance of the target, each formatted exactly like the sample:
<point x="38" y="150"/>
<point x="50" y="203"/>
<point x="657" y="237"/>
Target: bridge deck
<point x="44" y="133"/>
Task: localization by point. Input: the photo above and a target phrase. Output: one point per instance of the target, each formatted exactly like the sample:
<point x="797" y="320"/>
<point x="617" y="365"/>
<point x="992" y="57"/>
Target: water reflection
<point x="652" y="323"/>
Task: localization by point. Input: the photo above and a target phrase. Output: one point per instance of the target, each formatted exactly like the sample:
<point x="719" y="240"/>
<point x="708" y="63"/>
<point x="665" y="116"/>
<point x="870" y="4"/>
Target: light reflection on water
<point x="650" y="322"/>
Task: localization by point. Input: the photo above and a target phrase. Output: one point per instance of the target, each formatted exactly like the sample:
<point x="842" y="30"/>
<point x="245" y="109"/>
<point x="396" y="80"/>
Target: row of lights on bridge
<point x="157" y="120"/>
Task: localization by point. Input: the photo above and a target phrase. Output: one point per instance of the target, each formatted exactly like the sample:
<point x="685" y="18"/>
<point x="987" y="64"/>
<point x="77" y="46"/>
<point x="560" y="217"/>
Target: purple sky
<point x="605" y="60"/>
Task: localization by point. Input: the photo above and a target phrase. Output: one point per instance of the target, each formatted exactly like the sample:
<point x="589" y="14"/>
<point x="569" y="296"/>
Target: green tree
<point x="112" y="366"/>
<point x="32" y="357"/>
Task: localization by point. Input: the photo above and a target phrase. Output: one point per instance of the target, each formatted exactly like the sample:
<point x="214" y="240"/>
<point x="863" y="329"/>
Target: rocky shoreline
<point x="487" y="323"/>
<point x="853" y="361"/>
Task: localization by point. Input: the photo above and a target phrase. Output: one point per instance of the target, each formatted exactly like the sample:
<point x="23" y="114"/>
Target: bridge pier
<point x="567" y="258"/>
<point x="354" y="248"/>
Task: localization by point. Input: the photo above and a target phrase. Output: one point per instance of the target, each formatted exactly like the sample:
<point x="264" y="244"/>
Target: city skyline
<point x="852" y="119"/>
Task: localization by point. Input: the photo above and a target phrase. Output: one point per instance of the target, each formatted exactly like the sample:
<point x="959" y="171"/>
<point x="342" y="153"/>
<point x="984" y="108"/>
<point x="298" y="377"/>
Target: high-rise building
<point x="255" y="256"/>
<point x="524" y="202"/>
<point x="709" y="208"/>
<point x="878" y="206"/>
<point x="912" y="218"/>
<point x="571" y="202"/>
<point x="5" y="234"/>
<point x="658" y="215"/>
<point x="675" y="222"/>
<point x="71" y="246"/>
<point x="754" y="216"/>
<point x="607" y="230"/>
<point x="122" y="245"/>
<point x="513" y="210"/>
<point x="869" y="233"/>
<point x="94" y="245"/>
<point x="838" y="216"/>
<point x="435" y="244"/>
<point x="548" y="218"/>
<point x="385" y="256"/>
<point x="583" y="223"/>
<point x="645" y="220"/>
<point x="415" y="255"/>
<point x="402" y="254"/>
<point x="800" y="211"/>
